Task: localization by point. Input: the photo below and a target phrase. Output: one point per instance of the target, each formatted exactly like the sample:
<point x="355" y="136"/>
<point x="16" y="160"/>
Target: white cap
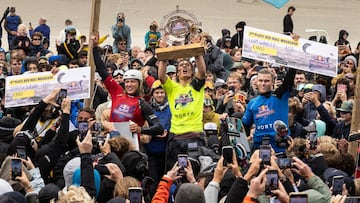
<point x="210" y="126"/>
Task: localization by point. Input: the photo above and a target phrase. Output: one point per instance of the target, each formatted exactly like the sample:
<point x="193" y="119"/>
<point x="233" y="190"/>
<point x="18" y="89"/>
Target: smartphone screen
<point x="61" y="96"/>
<point x="16" y="168"/>
<point x="313" y="140"/>
<point x="21" y="152"/>
<point x="96" y="127"/>
<point x="271" y="181"/>
<point x="265" y="140"/>
<point x="265" y="154"/>
<point x="135" y="194"/>
<point x="298" y="198"/>
<point x="284" y="163"/>
<point x="337" y="185"/>
<point x="183" y="162"/>
<point x="83" y="128"/>
<point x="227" y="153"/>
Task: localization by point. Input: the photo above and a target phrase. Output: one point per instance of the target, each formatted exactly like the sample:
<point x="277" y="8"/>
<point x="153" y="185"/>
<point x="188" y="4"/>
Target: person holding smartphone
<point x="47" y="152"/>
<point x="163" y="189"/>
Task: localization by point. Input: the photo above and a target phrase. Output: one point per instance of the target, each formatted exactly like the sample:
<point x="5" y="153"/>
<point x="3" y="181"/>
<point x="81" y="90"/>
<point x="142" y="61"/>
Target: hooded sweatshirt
<point x="121" y="33"/>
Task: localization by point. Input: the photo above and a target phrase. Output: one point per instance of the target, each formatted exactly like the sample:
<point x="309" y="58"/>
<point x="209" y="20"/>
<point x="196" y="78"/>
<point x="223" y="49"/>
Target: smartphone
<point x="21" y="152"/>
<point x="62" y="94"/>
<point x="341" y="88"/>
<point x="135" y="194"/>
<point x="352" y="200"/>
<point x="227" y="152"/>
<point x="100" y="140"/>
<point x="83" y="127"/>
<point x="272" y="181"/>
<point x="265" y="154"/>
<point x="231" y="90"/>
<point x="16" y="168"/>
<point x="265" y="140"/>
<point x="337" y="185"/>
<point x="182" y="162"/>
<point x="298" y="198"/>
<point x="103" y="170"/>
<point x="313" y="140"/>
<point x="284" y="163"/>
<point x="96" y="127"/>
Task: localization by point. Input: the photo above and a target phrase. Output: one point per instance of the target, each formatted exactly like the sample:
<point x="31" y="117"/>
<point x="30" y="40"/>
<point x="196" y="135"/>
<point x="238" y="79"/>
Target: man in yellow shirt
<point x="186" y="105"/>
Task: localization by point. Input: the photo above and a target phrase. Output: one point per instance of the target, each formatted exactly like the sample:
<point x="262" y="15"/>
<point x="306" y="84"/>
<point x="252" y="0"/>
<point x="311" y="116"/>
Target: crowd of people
<point x="186" y="114"/>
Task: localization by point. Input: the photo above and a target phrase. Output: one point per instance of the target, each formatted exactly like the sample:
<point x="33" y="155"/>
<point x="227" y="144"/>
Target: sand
<point x="329" y="15"/>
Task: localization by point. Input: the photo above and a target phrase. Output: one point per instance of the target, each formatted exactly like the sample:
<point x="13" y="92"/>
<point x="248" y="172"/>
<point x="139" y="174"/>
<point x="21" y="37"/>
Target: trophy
<point x="177" y="28"/>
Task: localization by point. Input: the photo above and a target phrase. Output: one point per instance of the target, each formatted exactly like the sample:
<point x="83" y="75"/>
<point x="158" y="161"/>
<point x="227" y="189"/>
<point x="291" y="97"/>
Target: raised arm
<point x="162" y="71"/>
<point x="200" y="64"/>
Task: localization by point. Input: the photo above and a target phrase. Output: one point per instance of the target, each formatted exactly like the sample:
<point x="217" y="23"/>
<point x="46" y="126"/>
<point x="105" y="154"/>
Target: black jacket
<point x="288" y="24"/>
<point x="237" y="191"/>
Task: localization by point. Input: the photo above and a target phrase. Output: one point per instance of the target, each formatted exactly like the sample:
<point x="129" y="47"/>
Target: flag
<point x="277" y="3"/>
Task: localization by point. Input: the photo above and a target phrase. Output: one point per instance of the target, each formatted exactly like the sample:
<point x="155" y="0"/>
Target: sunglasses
<point x="239" y="98"/>
<point x="122" y="43"/>
<point x="36" y="39"/>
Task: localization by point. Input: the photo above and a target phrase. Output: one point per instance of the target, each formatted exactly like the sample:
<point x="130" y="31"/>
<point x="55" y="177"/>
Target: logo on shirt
<point x="124" y="111"/>
<point x="264" y="110"/>
<point x="183" y="100"/>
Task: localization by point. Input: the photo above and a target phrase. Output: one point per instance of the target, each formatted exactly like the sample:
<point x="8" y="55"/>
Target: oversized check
<point x="282" y="49"/>
<point x="29" y="89"/>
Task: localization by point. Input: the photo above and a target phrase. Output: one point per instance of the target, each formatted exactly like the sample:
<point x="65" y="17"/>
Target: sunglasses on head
<point x="239" y="98"/>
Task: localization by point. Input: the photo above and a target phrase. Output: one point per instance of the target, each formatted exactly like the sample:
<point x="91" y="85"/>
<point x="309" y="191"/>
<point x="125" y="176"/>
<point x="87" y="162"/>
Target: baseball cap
<point x="208" y="101"/>
<point x="2" y="50"/>
<point x="346" y="106"/>
<point x="329" y="173"/>
<point x="170" y="69"/>
<point x="209" y="85"/>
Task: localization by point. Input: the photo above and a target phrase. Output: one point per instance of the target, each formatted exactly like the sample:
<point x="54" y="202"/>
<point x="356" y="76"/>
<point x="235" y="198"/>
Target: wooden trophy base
<point x="183" y="51"/>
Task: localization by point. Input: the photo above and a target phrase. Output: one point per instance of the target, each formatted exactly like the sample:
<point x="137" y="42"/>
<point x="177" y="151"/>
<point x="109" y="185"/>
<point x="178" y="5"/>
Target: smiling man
<point x="268" y="107"/>
<point x="186" y="105"/>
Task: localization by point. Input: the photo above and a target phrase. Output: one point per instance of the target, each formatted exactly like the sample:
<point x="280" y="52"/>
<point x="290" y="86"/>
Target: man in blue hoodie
<point x="121" y="31"/>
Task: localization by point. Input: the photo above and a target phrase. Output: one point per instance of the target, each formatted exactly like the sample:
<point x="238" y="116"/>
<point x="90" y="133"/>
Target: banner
<point x="282" y="49"/>
<point x="124" y="129"/>
<point x="277" y="3"/>
<point x="29" y="89"/>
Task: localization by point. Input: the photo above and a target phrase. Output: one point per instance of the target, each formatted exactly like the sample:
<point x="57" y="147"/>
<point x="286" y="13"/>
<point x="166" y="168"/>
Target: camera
<point x="281" y="138"/>
<point x="282" y="141"/>
<point x="231" y="90"/>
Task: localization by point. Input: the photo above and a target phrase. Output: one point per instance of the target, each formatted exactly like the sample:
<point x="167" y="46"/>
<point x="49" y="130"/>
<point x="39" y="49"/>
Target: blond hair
<point x="122" y="186"/>
<point x="74" y="194"/>
<point x="328" y="149"/>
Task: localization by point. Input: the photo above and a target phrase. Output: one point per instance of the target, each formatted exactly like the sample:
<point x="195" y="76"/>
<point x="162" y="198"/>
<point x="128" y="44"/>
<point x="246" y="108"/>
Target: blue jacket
<point x="121" y="33"/>
<point x="44" y="29"/>
<point x="158" y="145"/>
<point x="76" y="105"/>
<point x="12" y="22"/>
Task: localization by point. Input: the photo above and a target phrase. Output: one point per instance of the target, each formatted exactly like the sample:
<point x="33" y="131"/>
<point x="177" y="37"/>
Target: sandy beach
<point x="329" y="15"/>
